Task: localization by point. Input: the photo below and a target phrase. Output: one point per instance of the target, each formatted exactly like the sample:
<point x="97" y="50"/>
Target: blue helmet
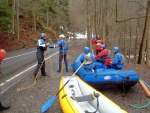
<point x="116" y="49"/>
<point x="103" y="46"/>
<point x="87" y="49"/>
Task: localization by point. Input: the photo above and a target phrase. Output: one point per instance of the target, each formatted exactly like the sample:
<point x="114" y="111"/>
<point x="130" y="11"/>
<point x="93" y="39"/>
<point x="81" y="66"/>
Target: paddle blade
<point x="48" y="103"/>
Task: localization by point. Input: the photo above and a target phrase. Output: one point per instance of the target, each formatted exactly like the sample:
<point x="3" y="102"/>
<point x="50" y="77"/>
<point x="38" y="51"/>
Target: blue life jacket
<point x="41" y="45"/>
<point x="118" y="60"/>
<point x="63" y="44"/>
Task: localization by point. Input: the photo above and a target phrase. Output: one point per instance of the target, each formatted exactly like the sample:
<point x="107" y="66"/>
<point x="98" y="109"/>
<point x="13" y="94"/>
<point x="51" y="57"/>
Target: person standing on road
<point x="63" y="48"/>
<point x="41" y="48"/>
<point x="2" y="56"/>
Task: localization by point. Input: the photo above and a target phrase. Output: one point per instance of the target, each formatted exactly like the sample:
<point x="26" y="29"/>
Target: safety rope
<point x="139" y="107"/>
<point x="35" y="79"/>
<point x="52" y="69"/>
<point x="62" y="68"/>
<point x="144" y="106"/>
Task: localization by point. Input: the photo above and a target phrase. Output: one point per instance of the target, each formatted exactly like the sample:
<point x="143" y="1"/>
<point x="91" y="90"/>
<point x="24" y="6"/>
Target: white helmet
<point x="61" y="36"/>
<point x="43" y="34"/>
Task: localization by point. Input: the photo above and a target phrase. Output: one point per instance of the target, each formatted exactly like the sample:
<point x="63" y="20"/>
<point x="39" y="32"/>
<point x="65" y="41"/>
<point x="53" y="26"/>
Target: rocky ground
<point x="32" y="99"/>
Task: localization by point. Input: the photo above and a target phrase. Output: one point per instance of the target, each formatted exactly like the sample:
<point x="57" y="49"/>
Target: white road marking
<point x="25" y="70"/>
<point x="19" y="55"/>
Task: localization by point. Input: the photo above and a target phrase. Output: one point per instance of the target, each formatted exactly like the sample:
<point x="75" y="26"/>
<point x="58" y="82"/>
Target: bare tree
<point x="18" y="26"/>
<point x="142" y="52"/>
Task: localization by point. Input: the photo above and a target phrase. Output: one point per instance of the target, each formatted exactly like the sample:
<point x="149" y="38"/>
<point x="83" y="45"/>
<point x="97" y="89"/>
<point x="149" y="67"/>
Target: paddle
<point x="51" y="100"/>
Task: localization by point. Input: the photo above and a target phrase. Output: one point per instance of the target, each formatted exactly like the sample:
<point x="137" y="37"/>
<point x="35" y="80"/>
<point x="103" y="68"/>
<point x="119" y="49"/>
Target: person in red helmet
<point x="103" y="56"/>
<point x="2" y="56"/>
<point x="97" y="41"/>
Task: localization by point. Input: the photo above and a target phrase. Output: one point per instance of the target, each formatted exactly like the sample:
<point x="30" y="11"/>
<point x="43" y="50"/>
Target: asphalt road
<point x="21" y="63"/>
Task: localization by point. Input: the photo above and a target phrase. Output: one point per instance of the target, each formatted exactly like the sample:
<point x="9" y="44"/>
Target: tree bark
<point x="142" y="51"/>
<point x="18" y="26"/>
<point x="13" y="17"/>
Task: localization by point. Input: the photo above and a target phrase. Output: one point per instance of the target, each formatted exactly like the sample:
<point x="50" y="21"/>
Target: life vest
<point x="88" y="59"/>
<point x="98" y="42"/>
<point x="106" y="56"/>
<point x="64" y="45"/>
<point x="41" y="45"/>
<point x="122" y="58"/>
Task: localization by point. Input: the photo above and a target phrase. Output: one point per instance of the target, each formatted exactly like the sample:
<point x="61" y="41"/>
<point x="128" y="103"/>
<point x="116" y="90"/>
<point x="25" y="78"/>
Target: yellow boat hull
<point x="69" y="105"/>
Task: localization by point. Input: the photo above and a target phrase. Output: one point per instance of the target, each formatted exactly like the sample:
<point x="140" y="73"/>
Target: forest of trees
<point x="123" y="23"/>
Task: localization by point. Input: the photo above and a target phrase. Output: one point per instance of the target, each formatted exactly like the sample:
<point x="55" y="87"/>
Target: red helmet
<point x="2" y="55"/>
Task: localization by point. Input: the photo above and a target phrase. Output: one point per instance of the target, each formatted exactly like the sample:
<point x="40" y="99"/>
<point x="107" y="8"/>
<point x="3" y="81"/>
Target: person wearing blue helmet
<point x="88" y="58"/>
<point x="103" y="56"/>
<point x="63" y="48"/>
<point x="118" y="62"/>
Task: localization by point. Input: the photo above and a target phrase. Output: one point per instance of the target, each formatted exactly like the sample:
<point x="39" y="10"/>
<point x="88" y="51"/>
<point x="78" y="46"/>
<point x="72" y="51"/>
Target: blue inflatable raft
<point x="106" y="78"/>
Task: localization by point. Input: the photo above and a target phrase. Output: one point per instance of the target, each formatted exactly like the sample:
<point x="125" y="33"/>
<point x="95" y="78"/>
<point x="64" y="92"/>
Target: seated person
<point x="118" y="62"/>
<point x="88" y="58"/>
<point x="103" y="56"/>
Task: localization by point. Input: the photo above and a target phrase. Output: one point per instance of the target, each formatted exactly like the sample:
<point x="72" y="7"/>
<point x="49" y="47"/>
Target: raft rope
<point x="144" y="106"/>
<point x="35" y="79"/>
<point x="62" y="65"/>
<point x="52" y="68"/>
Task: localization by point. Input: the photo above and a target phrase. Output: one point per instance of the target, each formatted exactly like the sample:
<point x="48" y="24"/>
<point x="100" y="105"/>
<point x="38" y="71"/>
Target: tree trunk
<point x="88" y="25"/>
<point x="18" y="29"/>
<point x="34" y="15"/>
<point x="13" y="18"/>
<point x="145" y="34"/>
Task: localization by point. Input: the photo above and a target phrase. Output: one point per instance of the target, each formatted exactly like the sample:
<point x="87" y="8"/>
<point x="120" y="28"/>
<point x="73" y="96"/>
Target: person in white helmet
<point x="41" y="48"/>
<point x="63" y="48"/>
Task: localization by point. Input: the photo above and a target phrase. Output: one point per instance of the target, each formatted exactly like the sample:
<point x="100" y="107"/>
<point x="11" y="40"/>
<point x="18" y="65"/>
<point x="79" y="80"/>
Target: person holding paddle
<point x="88" y="58"/>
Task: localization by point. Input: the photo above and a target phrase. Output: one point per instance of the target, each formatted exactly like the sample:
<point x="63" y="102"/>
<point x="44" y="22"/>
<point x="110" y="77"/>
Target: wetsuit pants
<point x="41" y="63"/>
<point x="61" y="56"/>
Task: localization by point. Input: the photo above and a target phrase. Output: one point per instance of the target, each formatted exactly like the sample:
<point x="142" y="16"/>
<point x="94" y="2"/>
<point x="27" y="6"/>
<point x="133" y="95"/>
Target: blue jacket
<point x="118" y="60"/>
<point x="63" y="44"/>
<point x="41" y="45"/>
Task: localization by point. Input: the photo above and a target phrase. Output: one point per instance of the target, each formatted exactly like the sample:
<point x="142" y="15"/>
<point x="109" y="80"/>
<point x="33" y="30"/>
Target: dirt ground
<point x="31" y="100"/>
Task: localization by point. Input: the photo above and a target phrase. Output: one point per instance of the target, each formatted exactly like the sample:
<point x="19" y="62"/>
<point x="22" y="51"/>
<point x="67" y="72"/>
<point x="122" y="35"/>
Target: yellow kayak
<point x="78" y="97"/>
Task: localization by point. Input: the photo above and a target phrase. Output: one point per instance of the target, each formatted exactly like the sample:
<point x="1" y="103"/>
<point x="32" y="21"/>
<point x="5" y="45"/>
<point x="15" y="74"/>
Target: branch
<point x="139" y="4"/>
<point x="130" y="19"/>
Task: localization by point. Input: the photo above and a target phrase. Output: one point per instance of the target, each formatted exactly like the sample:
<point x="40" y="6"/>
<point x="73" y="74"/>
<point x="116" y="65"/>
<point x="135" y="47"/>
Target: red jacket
<point x="104" y="53"/>
<point x="2" y="55"/>
<point x="97" y="43"/>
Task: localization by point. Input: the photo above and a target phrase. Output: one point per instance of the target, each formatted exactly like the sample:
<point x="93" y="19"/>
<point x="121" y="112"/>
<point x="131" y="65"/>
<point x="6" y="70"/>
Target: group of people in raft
<point x="102" y="55"/>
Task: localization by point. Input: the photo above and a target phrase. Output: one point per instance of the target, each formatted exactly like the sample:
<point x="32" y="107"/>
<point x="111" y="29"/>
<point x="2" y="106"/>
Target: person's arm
<point x="82" y="58"/>
<point x="55" y="45"/>
<point x="115" y="59"/>
<point x="102" y="41"/>
<point x="93" y="41"/>
<point x="103" y="53"/>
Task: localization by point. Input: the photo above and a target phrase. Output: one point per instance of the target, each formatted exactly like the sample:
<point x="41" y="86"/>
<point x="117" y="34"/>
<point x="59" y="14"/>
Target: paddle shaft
<point x="70" y="78"/>
<point x="51" y="100"/>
